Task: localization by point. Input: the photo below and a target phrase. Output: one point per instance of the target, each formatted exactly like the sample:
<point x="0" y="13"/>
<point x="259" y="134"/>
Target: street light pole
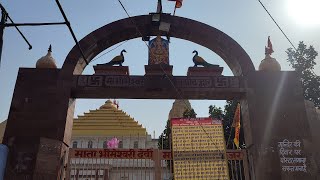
<point x="2" y="26"/>
<point x="5" y="16"/>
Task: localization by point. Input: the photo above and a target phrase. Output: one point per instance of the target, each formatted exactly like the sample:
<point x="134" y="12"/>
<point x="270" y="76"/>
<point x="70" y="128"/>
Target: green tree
<point x="227" y="116"/>
<point x="303" y="61"/>
<point x="189" y="113"/>
<point x="215" y="112"/>
<point x="164" y="138"/>
<point x="164" y="141"/>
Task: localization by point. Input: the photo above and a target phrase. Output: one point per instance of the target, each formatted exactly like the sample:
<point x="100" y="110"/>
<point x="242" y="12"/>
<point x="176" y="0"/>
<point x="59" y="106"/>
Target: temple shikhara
<point x="107" y="122"/>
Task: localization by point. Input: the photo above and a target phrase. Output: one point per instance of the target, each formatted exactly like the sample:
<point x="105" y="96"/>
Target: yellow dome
<point x="46" y="61"/>
<point x="269" y="64"/>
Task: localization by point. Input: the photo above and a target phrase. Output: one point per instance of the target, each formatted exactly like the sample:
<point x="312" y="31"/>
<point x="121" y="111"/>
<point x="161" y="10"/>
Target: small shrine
<point x="158" y="63"/>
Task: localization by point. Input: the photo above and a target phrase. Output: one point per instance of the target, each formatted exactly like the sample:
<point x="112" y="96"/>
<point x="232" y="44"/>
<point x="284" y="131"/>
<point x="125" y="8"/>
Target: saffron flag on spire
<point x="236" y="121"/>
<point x="178" y="3"/>
<point x="269" y="49"/>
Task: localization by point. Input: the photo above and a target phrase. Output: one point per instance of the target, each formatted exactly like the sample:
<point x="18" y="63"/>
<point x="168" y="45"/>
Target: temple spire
<point x="269" y="63"/>
<point x="50" y="48"/>
<point x="159" y="6"/>
<point x="269" y="49"/>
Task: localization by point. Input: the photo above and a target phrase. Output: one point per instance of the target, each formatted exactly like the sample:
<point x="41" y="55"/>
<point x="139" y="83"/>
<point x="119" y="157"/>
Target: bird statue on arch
<point x="117" y="60"/>
<point x="197" y="60"/>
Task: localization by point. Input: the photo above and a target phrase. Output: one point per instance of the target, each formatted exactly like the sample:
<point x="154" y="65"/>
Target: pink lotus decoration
<point x="113" y="143"/>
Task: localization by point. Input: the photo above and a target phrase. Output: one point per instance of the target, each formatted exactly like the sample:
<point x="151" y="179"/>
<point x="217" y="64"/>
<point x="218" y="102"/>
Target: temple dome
<point x="269" y="64"/>
<point x="108" y="105"/>
<point x="47" y="61"/>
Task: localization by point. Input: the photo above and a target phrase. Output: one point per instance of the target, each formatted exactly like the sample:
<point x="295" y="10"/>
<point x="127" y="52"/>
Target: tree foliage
<point x="227" y="119"/>
<point x="164" y="141"/>
<point x="303" y="61"/>
<point x="164" y="138"/>
<point x="189" y="113"/>
<point x="215" y="112"/>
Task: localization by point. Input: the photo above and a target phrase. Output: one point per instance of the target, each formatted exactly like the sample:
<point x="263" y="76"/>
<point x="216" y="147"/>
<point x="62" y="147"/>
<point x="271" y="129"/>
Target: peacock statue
<point x="197" y="60"/>
<point x="117" y="60"/>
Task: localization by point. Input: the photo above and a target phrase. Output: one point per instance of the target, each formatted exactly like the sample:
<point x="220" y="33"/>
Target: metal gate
<point x="137" y="164"/>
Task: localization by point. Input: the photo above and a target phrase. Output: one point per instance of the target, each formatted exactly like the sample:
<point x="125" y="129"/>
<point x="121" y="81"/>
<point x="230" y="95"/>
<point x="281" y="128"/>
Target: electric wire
<point x="151" y="52"/>
<point x="166" y="76"/>
<point x="264" y="7"/>
<point x="109" y="51"/>
<point x="277" y="24"/>
<point x="165" y="73"/>
<point x="71" y="31"/>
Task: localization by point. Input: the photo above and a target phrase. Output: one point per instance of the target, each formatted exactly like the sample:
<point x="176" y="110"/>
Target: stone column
<point x="274" y="119"/>
<point x="39" y="126"/>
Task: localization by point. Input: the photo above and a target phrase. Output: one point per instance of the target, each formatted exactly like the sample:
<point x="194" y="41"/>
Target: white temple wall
<point x="128" y="141"/>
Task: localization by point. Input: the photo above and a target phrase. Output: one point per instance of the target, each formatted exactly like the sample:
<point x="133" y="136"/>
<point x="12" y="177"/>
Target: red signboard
<point x="194" y="121"/>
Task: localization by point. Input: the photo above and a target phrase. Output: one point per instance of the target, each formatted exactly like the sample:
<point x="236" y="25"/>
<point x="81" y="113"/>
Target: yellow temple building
<point x="94" y="128"/>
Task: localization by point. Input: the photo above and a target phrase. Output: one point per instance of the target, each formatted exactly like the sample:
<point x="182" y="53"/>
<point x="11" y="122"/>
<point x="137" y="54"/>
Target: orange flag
<point x="236" y="121"/>
<point x="269" y="49"/>
<point x="178" y="3"/>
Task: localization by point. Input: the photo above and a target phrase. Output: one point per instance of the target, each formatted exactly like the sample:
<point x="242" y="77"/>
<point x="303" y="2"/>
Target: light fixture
<point x="164" y="26"/>
<point x="156" y="17"/>
<point x="145" y="38"/>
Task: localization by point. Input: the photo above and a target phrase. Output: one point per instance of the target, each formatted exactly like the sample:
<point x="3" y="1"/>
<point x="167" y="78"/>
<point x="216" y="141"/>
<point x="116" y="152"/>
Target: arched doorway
<point x="220" y="43"/>
<point x="41" y="114"/>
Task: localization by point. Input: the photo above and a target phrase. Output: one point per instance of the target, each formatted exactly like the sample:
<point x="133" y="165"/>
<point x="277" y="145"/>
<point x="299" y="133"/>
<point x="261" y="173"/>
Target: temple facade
<point x="95" y="128"/>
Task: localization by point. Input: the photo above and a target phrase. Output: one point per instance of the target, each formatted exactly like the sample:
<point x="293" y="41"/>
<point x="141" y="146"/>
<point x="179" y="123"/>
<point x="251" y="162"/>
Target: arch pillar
<point x="39" y="125"/>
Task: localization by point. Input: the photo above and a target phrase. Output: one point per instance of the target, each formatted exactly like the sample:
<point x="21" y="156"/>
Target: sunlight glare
<point x="304" y="12"/>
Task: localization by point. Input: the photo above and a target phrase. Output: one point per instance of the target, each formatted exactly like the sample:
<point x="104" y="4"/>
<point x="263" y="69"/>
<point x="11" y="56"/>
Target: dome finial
<point x="108" y="105"/>
<point x="269" y="63"/>
<point x="50" y="48"/>
<point x="269" y="49"/>
<point x="47" y="61"/>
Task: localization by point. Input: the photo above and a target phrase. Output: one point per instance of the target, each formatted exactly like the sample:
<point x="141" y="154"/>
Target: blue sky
<point x="245" y="21"/>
